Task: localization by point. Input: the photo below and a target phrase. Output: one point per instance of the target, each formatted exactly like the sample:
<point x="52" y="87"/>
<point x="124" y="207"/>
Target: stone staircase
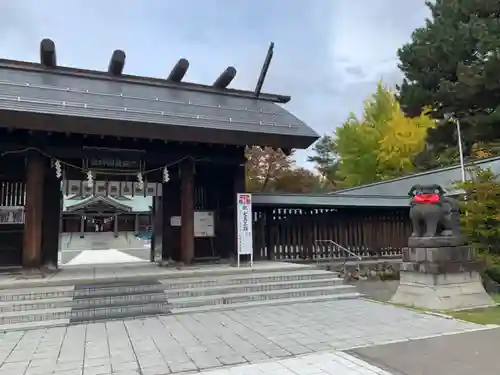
<point x="57" y="305"/>
<point x="233" y="291"/>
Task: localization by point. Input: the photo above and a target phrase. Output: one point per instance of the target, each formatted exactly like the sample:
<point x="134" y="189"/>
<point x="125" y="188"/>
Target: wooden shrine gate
<point x="282" y="233"/>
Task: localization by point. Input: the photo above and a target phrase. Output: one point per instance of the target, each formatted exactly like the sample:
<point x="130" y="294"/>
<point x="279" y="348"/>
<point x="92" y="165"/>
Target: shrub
<point x="481" y="212"/>
<point x="493" y="272"/>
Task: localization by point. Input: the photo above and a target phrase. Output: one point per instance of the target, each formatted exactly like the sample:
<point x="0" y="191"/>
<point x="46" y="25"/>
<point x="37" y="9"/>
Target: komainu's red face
<point x="427" y="198"/>
<point x="426" y="194"/>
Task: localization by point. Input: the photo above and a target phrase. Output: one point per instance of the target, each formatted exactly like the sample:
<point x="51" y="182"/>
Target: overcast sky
<point x="329" y="54"/>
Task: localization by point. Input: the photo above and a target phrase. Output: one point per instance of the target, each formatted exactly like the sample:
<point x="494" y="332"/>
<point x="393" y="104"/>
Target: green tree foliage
<point x="378" y="146"/>
<point x="481" y="202"/>
<point x="451" y="65"/>
<point x="357" y="145"/>
<point x="325" y="159"/>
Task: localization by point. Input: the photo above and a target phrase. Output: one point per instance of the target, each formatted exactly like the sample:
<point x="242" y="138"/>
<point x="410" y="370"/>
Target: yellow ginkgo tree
<point x="403" y="138"/>
<point x="382" y="143"/>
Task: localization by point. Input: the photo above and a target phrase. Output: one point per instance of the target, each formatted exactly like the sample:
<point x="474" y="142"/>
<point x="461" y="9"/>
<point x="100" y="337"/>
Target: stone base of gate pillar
<point x="441" y="278"/>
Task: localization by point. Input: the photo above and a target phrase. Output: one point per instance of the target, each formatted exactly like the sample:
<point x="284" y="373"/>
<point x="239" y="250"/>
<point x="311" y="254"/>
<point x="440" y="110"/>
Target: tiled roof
<point x="27" y="87"/>
<point x="327" y="200"/>
<point x="399" y="187"/>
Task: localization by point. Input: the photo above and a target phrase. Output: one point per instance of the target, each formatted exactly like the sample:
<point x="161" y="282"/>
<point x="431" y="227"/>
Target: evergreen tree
<point x="325" y="159"/>
<point x="452" y="65"/>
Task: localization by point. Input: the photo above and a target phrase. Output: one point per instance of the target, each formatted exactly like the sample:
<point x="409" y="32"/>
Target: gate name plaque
<point x="114" y="163"/>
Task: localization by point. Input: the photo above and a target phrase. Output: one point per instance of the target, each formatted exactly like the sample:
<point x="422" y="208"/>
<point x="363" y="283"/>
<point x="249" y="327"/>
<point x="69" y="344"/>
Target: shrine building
<point x="98" y="137"/>
<point x="118" y="214"/>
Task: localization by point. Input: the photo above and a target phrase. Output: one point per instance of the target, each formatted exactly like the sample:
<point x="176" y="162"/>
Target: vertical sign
<point x="244" y="226"/>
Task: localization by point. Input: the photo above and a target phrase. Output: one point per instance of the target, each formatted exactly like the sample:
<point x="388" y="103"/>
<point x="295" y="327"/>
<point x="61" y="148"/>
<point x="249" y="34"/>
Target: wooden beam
<point x="38" y="121"/>
<point x="208" y="154"/>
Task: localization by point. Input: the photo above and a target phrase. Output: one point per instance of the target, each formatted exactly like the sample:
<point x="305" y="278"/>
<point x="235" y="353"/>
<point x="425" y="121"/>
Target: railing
<point x="345" y="250"/>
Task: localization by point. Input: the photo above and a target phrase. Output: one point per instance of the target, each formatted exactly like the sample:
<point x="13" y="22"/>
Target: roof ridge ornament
<point x="225" y="78"/>
<point x="48" y="53"/>
<point x="117" y="62"/>
<point x="178" y="71"/>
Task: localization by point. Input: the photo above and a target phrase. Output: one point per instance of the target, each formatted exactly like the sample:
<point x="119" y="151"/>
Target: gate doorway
<point x="104" y="228"/>
<point x="12" y="200"/>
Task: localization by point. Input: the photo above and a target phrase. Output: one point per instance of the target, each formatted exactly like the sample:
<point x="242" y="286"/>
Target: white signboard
<point x="204" y="223"/>
<point x="244" y="226"/>
<point x="175" y="221"/>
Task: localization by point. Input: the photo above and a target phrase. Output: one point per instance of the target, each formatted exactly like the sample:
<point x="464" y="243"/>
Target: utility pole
<point x="459" y="141"/>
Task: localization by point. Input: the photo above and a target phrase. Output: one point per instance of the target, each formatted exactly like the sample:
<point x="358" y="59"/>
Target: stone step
<point x="251" y="287"/>
<point x="272" y="302"/>
<point x="222" y="299"/>
<point x="118" y="289"/>
<point x="112" y="311"/>
<point x="14" y="317"/>
<point x="249" y="278"/>
<point x="29" y="294"/>
<point x="152" y="285"/>
<point x="84" y="314"/>
<point x="80" y="302"/>
<point x="35" y="304"/>
<point x="162" y="273"/>
<point x="97" y="290"/>
<point x="34" y="325"/>
<point x="136" y="297"/>
<point x="120" y="300"/>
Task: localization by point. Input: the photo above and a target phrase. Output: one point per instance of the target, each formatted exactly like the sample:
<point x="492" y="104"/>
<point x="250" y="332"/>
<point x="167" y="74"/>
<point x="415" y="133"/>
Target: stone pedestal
<point x="440" y="278"/>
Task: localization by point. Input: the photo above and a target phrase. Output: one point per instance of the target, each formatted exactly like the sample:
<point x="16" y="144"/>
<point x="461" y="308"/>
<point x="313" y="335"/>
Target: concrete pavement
<point x="335" y="363"/>
<point x="220" y="340"/>
<point x="460" y="354"/>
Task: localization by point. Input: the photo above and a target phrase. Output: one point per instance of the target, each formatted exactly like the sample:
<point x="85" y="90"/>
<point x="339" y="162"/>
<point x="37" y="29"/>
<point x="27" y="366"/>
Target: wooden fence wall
<point x="307" y="233"/>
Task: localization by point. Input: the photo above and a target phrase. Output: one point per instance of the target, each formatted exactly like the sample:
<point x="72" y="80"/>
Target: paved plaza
<point x="109" y="256"/>
<point x="252" y="338"/>
<point x="102" y="248"/>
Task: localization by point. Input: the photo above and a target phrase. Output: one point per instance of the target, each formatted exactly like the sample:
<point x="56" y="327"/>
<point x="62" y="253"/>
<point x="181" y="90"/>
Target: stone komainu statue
<point x="431" y="213"/>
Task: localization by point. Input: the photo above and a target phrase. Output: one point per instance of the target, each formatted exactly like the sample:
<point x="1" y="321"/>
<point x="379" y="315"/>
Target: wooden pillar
<point x="155" y="249"/>
<point x="51" y="225"/>
<point x="269" y="233"/>
<point x="307" y="228"/>
<point x="171" y="207"/>
<point x="166" y="213"/>
<point x="32" y="237"/>
<point x="115" y="225"/>
<point x="82" y="226"/>
<point x="156" y="234"/>
<point x="136" y="224"/>
<point x="187" y="211"/>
